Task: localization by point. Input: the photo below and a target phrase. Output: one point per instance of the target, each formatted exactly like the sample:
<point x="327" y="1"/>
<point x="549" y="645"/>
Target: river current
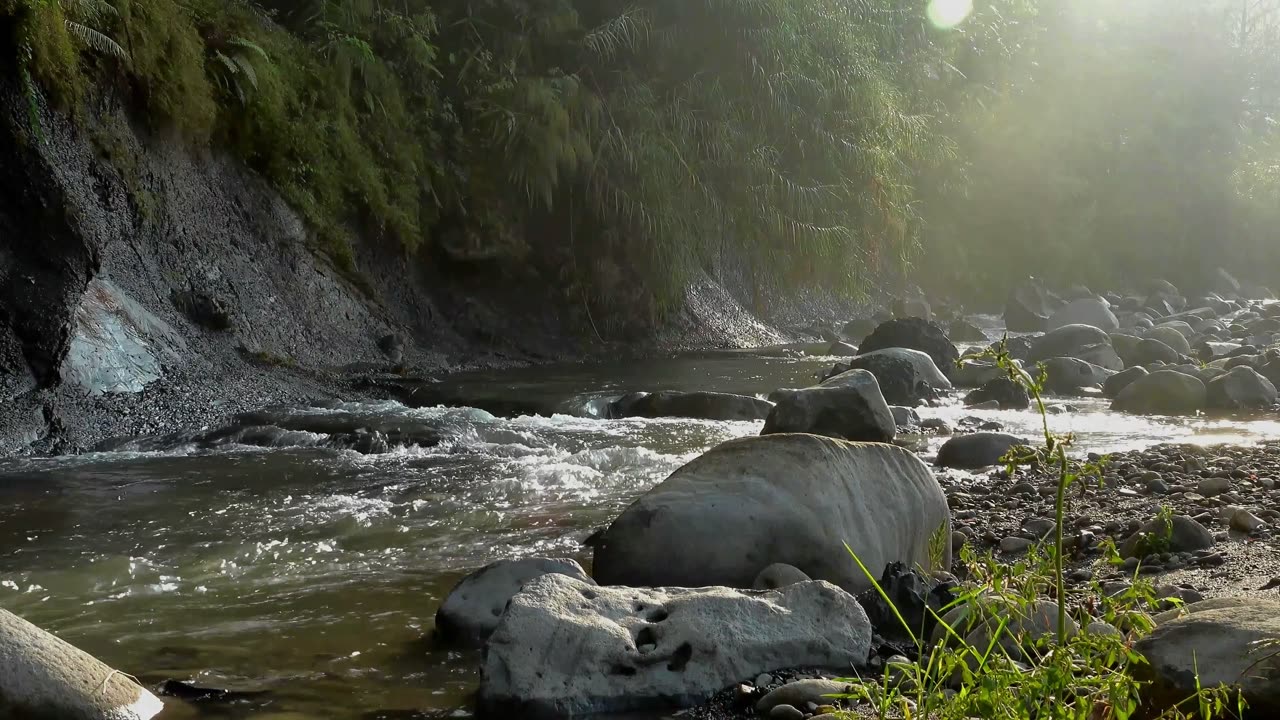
<point x="307" y="573"/>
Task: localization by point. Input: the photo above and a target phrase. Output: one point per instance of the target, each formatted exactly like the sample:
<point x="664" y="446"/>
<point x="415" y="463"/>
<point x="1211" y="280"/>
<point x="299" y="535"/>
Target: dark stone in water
<point x="196" y="694"/>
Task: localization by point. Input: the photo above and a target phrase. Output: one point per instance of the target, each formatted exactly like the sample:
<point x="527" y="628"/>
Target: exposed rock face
<point x="794" y="499"/>
<point x="565" y="648"/>
<point x="470" y="612"/>
<point x="43" y="677"/>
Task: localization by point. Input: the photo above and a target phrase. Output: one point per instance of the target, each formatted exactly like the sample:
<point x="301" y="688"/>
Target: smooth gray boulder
<point x="978" y="450"/>
<point x="699" y="405"/>
<point x="914" y="334"/>
<point x="900" y="382"/>
<point x="1009" y="394"/>
<point x="925" y="367"/>
<point x="849" y="406"/>
<point x="973" y="374"/>
<point x="1085" y="311"/>
<point x="800" y="693"/>
<point x="1066" y="341"/>
<point x="1232" y="645"/>
<point x="778" y="575"/>
<point x="471" y="610"/>
<point x="565" y="648"/>
<point x="1171" y="336"/>
<point x="41" y="676"/>
<point x="794" y="499"/>
<point x="1100" y="355"/>
<point x="1180" y="534"/>
<point x="1242" y="388"/>
<point x="1150" y="350"/>
<point x="1164" y="392"/>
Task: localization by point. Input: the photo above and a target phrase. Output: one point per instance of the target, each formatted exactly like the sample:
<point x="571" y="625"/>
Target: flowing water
<point x="278" y="558"/>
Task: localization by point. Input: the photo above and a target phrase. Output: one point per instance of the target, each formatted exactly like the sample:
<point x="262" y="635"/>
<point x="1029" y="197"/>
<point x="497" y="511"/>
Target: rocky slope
<point x="146" y="285"/>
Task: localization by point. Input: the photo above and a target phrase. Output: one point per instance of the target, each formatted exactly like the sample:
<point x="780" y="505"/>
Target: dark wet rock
<point x="1085" y="311"/>
<point x="1215" y="645"/>
<point x="965" y="331"/>
<point x="900" y="381"/>
<point x="1179" y="534"/>
<point x="855" y="330"/>
<point x="202" y="309"/>
<point x="1240" y="389"/>
<point x="1029" y="306"/>
<point x="978" y="450"/>
<point x="617" y="649"/>
<point x="842" y="349"/>
<point x="42" y="676"/>
<point x="914" y="334"/>
<point x="700" y="405"/>
<point x="471" y="610"/>
<point x="1163" y="392"/>
<point x="193" y="693"/>
<point x="904" y="416"/>
<point x="1067" y="341"/>
<point x="851" y="407"/>
<point x="1121" y="380"/>
<point x="1009" y="394"/>
<point x="913" y="596"/>
<point x="392" y="345"/>
<point x="1066" y="375"/>
<point x="795" y="499"/>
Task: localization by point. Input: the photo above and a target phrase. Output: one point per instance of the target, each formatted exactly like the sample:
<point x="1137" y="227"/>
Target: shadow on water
<point x="291" y="559"/>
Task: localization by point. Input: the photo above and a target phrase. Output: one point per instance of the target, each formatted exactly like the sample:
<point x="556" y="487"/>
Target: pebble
<point x="1023" y="488"/>
<point x="1157" y="487"/>
<point x="1040" y="527"/>
<point x="764" y="679"/>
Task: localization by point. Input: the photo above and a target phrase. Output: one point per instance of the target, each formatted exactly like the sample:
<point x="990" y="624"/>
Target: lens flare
<point x="949" y="13"/>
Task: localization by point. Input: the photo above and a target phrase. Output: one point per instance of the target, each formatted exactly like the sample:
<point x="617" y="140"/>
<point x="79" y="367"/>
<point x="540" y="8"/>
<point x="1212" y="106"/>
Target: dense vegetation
<point x="617" y="148"/>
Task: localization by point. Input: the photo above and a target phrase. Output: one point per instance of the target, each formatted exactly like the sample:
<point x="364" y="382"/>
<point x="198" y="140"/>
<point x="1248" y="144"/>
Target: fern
<point x="96" y="40"/>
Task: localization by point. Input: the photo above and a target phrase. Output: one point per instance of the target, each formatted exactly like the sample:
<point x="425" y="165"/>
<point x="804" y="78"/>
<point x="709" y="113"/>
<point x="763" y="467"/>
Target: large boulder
<point x="565" y="648"/>
<point x="1232" y="645"/>
<point x="1101" y="355"/>
<point x="1067" y="375"/>
<point x="1028" y="307"/>
<point x="699" y="405"/>
<point x="1172" y="336"/>
<point x="1007" y="393"/>
<point x="42" y="676"/>
<point x="848" y="406"/>
<point x="794" y="499"/>
<point x="900" y="382"/>
<point x="925" y="367"/>
<point x="1085" y="311"/>
<point x="979" y="450"/>
<point x="1164" y="392"/>
<point x="914" y="334"/>
<point x="1242" y="388"/>
<point x="1067" y="341"/>
<point x="973" y="374"/>
<point x="470" y="612"/>
<point x="1150" y="350"/>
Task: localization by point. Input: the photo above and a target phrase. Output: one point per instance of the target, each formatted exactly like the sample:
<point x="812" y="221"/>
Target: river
<point x="313" y="572"/>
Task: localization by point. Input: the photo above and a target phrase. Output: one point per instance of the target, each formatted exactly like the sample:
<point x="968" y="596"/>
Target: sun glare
<point x="949" y="13"/>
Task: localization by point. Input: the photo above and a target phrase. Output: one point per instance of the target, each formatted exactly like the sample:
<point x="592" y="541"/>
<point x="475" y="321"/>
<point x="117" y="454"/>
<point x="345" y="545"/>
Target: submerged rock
<point x="848" y="406"/>
<point x="567" y="648"/>
<point x="794" y="499"/>
<point x="699" y="405"/>
<point x="471" y="610"/>
<point x="42" y="676"/>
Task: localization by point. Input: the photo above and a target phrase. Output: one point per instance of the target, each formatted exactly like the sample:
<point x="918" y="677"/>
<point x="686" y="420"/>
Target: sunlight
<point x="949" y="13"/>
